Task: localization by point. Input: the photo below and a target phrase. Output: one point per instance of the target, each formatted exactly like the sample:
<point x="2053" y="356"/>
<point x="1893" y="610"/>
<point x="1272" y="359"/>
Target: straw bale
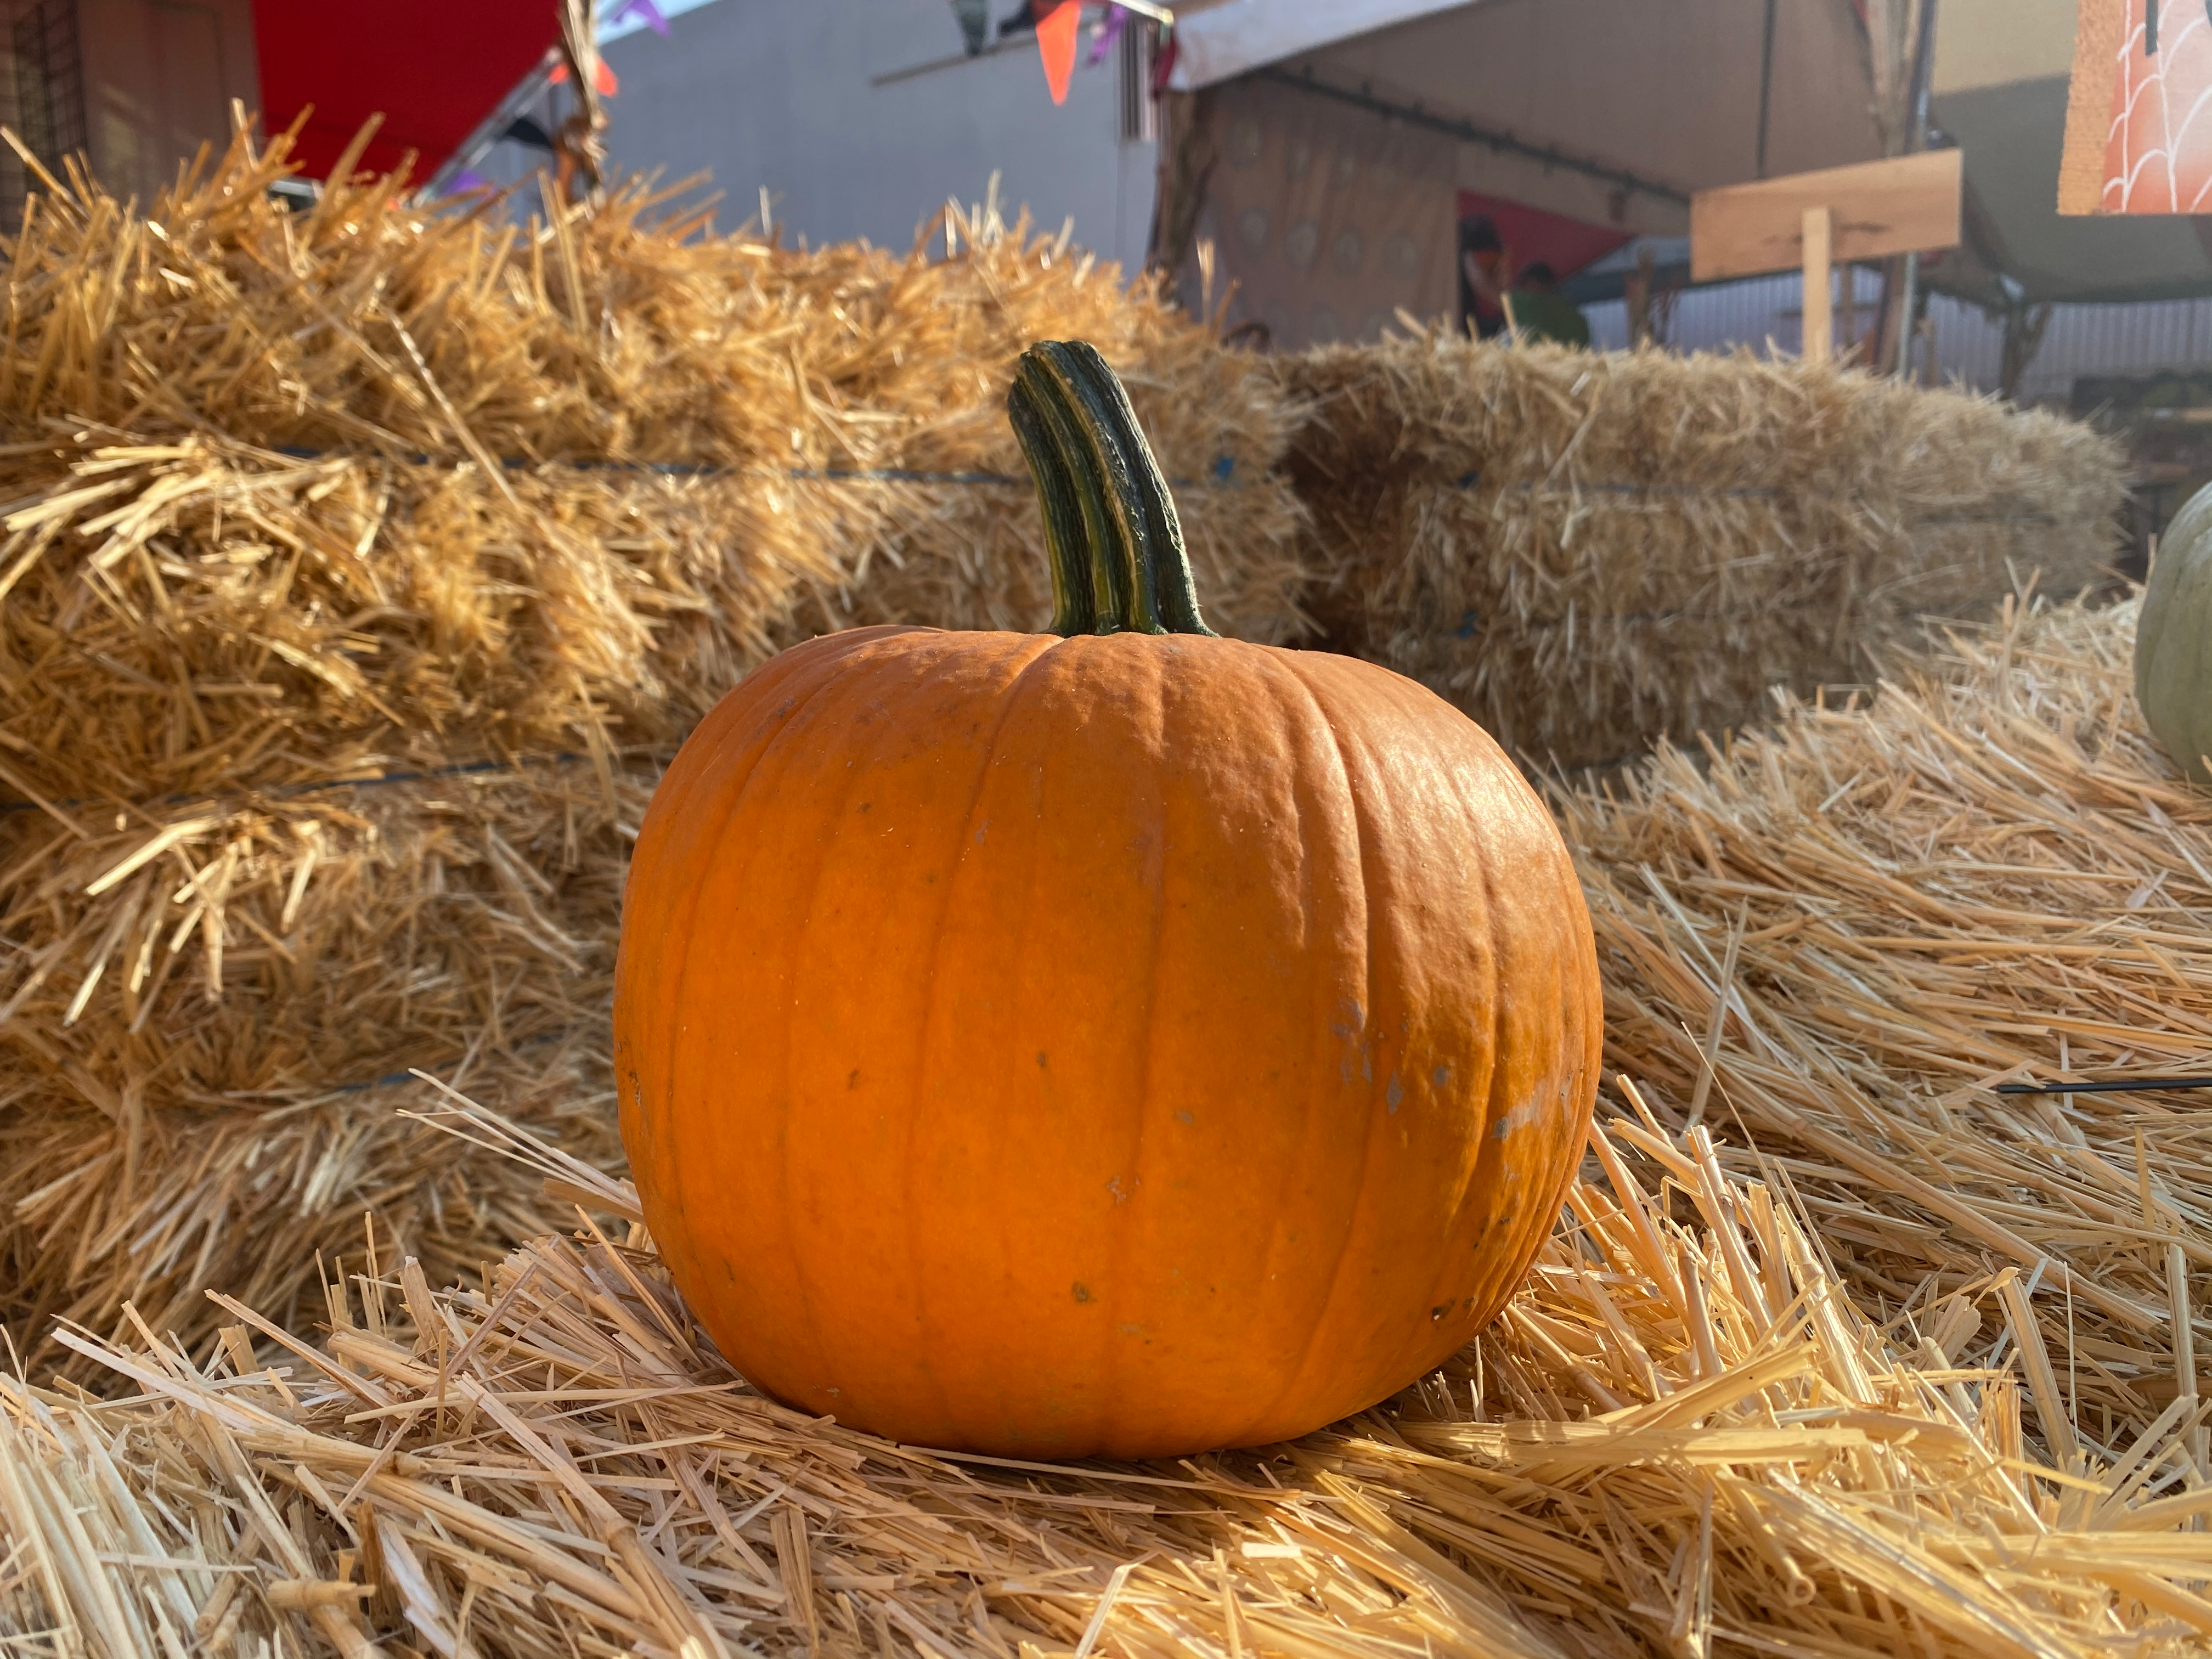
<point x="155" y="366"/>
<point x="1484" y="513"/>
<point x="207" y="616"/>
<point x="1681" y="1438"/>
<point x="204" y="998"/>
<point x="1613" y="679"/>
<point x="1842" y="934"/>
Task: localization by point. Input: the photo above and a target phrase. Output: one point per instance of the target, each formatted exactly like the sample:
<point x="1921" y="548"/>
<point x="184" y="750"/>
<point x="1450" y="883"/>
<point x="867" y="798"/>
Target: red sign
<point x="1533" y="236"/>
<point x="433" y="69"/>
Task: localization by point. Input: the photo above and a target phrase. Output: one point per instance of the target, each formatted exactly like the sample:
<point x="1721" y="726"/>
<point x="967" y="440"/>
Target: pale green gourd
<point x="2173" y="640"/>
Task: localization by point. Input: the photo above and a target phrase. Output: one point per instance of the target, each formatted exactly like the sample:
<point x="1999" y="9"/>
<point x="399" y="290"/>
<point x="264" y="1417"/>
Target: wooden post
<point x="1636" y="292"/>
<point x="1820" y="279"/>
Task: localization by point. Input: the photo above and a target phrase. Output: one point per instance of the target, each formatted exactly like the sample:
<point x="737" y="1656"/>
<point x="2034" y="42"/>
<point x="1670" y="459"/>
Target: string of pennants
<point x="1057" y="24"/>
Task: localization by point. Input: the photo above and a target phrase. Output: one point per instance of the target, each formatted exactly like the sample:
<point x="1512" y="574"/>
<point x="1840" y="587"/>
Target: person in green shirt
<point x="1540" y="311"/>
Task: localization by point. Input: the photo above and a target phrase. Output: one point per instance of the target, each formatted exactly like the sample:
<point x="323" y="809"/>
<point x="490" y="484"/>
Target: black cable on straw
<point x="2125" y="1086"/>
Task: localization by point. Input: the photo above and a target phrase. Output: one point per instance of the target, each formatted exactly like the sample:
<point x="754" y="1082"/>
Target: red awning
<point x="433" y="70"/>
<point x="1532" y="235"/>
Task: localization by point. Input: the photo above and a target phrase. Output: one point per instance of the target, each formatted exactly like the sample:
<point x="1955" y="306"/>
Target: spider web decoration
<point x="2158" y="155"/>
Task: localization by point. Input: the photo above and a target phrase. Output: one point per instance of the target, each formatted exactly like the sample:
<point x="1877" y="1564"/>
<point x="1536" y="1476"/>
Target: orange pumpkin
<point x="1119" y="1040"/>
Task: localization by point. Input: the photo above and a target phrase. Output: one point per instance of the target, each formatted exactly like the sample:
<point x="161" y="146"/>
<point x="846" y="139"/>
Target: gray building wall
<point x="781" y="94"/>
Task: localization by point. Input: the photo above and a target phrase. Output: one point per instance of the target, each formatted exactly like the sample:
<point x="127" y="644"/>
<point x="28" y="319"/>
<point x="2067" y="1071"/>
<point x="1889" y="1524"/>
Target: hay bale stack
<point x="1871" y="1359"/>
<point x="1869" y="918"/>
<point x="1588" y="552"/>
<point x="607" y="454"/>
<point x="358" y="569"/>
<point x="1683" y="1437"/>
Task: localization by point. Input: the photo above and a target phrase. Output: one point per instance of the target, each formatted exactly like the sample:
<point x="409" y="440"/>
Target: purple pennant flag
<point x="645" y="9"/>
<point x="1116" y="18"/>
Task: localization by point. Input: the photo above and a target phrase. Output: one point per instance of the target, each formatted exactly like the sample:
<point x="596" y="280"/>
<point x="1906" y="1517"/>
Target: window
<point x="1139" y="45"/>
<point x="45" y="92"/>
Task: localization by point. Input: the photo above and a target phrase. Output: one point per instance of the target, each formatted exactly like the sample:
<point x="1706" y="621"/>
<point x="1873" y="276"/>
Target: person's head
<point x="1479" y="235"/>
<point x="1539" y="277"/>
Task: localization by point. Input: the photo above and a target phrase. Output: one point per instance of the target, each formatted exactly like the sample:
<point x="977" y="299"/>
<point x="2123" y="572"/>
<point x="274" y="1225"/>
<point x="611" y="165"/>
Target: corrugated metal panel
<point x="1969" y="347"/>
<point x="1725" y="316"/>
<point x="2125" y="339"/>
<point x="2119" y="340"/>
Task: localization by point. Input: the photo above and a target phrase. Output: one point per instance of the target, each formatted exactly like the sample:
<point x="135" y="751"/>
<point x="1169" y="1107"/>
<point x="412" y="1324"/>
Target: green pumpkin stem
<point x="1111" y="533"/>
<point x="1067" y="547"/>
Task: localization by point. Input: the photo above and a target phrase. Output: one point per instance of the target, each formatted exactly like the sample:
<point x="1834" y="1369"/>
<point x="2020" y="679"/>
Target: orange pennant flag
<point x="603" y="78"/>
<point x="1055" y="33"/>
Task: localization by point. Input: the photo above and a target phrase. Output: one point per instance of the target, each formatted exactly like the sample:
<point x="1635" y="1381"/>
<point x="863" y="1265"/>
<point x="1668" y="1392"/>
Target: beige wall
<point x="1987" y="43"/>
<point x="1325" y="221"/>
<point x="159" y="76"/>
<point x="1668" y="91"/>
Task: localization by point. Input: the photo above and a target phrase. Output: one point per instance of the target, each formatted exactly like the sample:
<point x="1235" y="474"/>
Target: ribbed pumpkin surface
<point x="2173" y="640"/>
<point x="1121" y="1045"/>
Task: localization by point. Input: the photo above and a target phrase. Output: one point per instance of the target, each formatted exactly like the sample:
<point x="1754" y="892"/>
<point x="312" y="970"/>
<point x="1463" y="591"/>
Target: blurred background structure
<point x="1307" y="159"/>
